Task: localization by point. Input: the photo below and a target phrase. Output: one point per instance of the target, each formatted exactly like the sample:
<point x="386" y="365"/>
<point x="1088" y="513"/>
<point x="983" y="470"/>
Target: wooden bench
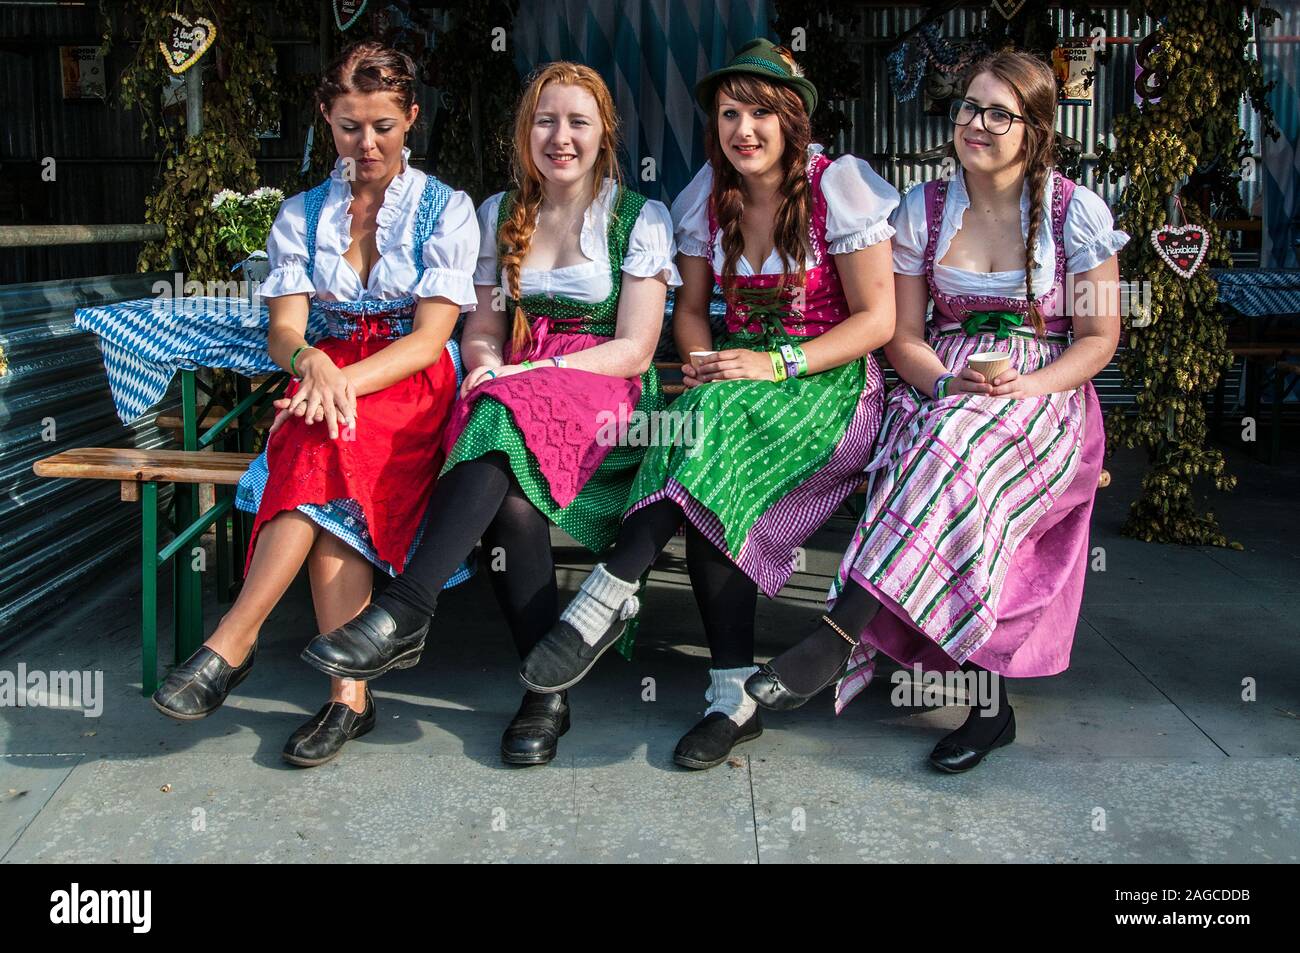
<point x="139" y="473"/>
<point x="673" y="370"/>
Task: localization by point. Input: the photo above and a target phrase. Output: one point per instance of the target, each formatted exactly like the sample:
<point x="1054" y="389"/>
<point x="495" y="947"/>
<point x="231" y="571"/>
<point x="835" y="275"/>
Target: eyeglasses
<point x="996" y="119"/>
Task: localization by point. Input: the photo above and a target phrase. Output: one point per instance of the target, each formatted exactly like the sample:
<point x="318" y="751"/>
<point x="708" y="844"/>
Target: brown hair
<point x="1034" y="85"/>
<point x="368" y="67"/>
<point x="516" y="235"/>
<point x="790" y="231"/>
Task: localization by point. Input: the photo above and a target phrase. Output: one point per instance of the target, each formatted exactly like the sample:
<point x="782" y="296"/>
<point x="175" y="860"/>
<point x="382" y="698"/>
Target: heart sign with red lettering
<point x="1182" y="247"/>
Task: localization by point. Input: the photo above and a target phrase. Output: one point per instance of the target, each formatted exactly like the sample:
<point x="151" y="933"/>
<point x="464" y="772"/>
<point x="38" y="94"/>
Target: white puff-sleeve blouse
<point x="448" y="255"/>
<point x="650" y="251"/>
<point x="1090" y="239"/>
<point x="858" y="206"/>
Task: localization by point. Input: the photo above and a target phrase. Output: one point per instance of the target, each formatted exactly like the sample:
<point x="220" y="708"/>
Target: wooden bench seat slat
<point x="165" y="466"/>
<point x="176" y="422"/>
<point x="1266" y="351"/>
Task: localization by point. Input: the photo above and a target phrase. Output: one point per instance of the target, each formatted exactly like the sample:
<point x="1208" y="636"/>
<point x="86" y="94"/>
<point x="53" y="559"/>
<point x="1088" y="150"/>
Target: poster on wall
<point x="1074" y="63"/>
<point x="83" y="72"/>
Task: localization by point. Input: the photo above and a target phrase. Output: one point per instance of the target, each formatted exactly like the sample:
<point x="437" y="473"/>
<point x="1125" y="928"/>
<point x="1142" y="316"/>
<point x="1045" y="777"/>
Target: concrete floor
<point x="1143" y="751"/>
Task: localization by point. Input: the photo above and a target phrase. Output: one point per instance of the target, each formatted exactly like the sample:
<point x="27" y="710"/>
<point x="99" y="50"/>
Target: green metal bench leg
<point x="194" y="631"/>
<point x="149" y="588"/>
<point x="189" y="632"/>
<point x="223" y="554"/>
<point x="178" y="598"/>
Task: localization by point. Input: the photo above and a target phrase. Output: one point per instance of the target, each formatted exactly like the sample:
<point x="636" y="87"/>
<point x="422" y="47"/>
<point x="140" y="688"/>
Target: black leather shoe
<point x="561" y="659"/>
<point x="322" y="738"/>
<point x="709" y="742"/>
<point x="199" y="685"/>
<point x="766" y="688"/>
<point x="534" y="735"/>
<point x="366" y="647"/>
<point x="954" y="758"/>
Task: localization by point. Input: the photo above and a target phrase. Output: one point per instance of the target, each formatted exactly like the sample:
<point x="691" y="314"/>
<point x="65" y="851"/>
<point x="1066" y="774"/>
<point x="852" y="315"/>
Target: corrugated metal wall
<point x="889" y="133"/>
<point x="56" y="534"/>
<point x="103" y="169"/>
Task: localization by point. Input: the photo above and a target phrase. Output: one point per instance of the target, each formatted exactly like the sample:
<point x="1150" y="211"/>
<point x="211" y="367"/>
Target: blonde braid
<point x="516" y="239"/>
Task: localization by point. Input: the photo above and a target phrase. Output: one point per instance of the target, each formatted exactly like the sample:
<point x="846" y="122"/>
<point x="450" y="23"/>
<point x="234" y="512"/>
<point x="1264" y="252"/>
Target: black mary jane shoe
<point x="366" y="647"/>
<point x="562" y="658"/>
<point x="709" y="743"/>
<point x="766" y="688"/>
<point x="199" y="685"/>
<point x="953" y="758"/>
<point x="533" y="736"/>
<point x="323" y="737"/>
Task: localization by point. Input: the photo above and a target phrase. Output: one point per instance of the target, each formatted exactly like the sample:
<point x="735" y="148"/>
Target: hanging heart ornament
<point x="187" y="42"/>
<point x="1008" y="8"/>
<point x="348" y="12"/>
<point x="1182" y="247"/>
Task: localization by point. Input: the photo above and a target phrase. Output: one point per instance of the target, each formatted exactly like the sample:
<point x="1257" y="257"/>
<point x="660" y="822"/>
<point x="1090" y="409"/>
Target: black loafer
<point x="766" y="688"/>
<point x="710" y="742"/>
<point x="533" y="736"/>
<point x="199" y="685"/>
<point x="953" y="758"/>
<point x="562" y="657"/>
<point x="366" y="647"/>
<point x="322" y="738"/>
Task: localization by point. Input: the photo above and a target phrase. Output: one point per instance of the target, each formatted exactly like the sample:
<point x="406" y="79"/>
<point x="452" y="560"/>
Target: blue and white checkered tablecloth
<point x="1259" y="292"/>
<point x="147" y="340"/>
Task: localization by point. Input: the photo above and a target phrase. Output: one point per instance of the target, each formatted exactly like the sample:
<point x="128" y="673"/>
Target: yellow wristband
<point x="778" y="366"/>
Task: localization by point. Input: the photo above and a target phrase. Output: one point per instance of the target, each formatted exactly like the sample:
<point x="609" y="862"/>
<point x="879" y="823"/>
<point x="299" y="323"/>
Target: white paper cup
<point x="697" y="356"/>
<point x="989" y="363"/>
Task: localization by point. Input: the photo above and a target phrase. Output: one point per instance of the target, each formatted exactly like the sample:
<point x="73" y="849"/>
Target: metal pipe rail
<point x="39" y="236"/>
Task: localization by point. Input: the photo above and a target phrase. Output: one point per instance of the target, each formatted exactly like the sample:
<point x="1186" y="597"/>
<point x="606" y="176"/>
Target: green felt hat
<point x="763" y="59"/>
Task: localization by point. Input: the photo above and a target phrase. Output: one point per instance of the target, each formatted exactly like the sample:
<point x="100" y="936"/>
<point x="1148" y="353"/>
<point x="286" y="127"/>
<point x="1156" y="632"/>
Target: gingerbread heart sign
<point x="187" y="42"/>
<point x="1182" y="247"/>
<point x="1008" y="8"/>
<point x="347" y="12"/>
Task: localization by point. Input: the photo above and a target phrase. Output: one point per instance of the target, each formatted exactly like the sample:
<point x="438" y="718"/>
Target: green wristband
<point x="293" y="361"/>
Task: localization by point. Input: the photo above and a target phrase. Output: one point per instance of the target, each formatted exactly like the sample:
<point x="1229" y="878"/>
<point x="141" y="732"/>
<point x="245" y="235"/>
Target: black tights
<point x="480" y="498"/>
<point x="726" y="597"/>
<point x="521" y="568"/>
<point x="811" y="663"/>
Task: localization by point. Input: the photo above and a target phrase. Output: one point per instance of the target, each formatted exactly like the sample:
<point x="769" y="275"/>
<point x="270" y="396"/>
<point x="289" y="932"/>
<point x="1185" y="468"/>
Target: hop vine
<point x="1190" y="135"/>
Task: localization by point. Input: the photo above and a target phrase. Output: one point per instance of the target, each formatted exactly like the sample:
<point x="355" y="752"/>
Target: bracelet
<point x="490" y="375"/>
<point x="796" y="362"/>
<point x="778" y="366"/>
<point x="790" y="360"/>
<point x="293" y="361"/>
<point x="941" y="386"/>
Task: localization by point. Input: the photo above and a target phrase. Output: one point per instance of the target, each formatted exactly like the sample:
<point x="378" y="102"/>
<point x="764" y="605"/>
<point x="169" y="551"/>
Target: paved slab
<point x="1147" y="724"/>
<point x="880" y="809"/>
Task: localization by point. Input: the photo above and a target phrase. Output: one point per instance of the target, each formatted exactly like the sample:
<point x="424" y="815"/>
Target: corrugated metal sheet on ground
<point x="57" y="534"/>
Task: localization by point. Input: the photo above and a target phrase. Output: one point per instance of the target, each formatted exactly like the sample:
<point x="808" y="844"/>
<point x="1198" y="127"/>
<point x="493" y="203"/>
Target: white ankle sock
<point x="602" y="599"/>
<point x="727" y="693"/>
